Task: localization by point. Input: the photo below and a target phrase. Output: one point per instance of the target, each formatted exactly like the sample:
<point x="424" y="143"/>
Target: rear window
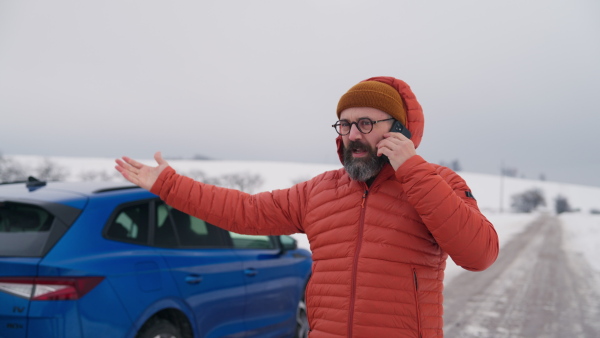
<point x="24" y="229"/>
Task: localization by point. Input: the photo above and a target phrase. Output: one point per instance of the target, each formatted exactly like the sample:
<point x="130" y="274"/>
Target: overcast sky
<point x="513" y="82"/>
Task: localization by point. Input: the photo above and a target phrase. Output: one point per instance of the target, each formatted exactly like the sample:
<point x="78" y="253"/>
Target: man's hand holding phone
<point x="396" y="145"/>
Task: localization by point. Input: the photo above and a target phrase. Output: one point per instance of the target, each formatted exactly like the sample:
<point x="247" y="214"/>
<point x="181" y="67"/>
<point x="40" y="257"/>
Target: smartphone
<point x="398" y="127"/>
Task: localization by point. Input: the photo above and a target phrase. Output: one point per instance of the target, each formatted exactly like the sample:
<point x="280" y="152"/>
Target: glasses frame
<point x="373" y="123"/>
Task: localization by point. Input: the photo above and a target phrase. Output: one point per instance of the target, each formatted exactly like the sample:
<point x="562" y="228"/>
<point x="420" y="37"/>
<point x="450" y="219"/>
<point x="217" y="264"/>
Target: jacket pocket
<point x="417" y="305"/>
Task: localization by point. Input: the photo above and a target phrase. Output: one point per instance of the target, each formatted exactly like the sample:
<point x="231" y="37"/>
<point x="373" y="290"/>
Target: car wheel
<point x="159" y="329"/>
<point x="301" y="320"/>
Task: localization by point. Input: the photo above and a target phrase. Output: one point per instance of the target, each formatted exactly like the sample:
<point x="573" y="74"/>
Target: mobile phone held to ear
<point x="398" y="127"/>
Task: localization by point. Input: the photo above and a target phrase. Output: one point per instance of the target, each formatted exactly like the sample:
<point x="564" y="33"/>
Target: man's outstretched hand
<point x="141" y="174"/>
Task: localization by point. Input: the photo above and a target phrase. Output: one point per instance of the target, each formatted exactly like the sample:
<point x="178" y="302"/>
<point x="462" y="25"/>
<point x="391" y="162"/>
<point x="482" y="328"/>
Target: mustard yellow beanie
<point x="374" y="94"/>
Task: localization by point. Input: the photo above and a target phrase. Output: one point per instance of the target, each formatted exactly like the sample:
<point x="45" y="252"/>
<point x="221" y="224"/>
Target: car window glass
<point x="251" y="241"/>
<point x="130" y="224"/>
<point x="16" y="217"/>
<point x="24" y="230"/>
<point x="177" y="229"/>
<point x="288" y="242"/>
<point x="164" y="233"/>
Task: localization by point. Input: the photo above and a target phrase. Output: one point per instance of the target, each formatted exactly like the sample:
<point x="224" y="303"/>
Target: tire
<point x="301" y="320"/>
<point x="159" y="329"/>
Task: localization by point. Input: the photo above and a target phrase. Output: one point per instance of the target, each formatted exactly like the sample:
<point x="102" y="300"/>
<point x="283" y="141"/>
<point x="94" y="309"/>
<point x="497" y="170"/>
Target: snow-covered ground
<point x="581" y="234"/>
<point x="493" y="193"/>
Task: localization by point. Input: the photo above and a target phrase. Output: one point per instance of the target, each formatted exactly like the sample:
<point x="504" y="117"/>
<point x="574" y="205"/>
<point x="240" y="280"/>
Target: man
<point x="380" y="229"/>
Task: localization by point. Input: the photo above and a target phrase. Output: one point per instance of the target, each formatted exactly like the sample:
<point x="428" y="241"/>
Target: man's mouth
<point x="359" y="150"/>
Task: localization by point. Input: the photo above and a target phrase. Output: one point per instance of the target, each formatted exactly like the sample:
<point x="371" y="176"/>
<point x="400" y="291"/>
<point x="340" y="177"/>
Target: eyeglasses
<point x="364" y="125"/>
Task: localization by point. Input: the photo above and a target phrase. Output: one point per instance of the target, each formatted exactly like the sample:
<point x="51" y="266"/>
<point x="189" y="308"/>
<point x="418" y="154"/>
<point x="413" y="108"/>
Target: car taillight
<point x="49" y="288"/>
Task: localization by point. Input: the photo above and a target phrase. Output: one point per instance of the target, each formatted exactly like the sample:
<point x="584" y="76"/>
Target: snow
<point x="581" y="234"/>
<point x="493" y="194"/>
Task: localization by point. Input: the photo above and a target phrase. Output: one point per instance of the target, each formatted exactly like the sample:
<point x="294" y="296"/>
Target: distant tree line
<point x="12" y="170"/>
<point x="528" y="201"/>
<point x="532" y="199"/>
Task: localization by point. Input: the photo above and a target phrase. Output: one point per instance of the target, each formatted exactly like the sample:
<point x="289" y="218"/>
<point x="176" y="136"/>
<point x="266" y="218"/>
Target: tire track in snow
<point x="534" y="289"/>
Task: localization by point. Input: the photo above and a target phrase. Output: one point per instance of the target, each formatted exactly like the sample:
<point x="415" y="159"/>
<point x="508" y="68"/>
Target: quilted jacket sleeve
<point x="443" y="200"/>
<point x="268" y="213"/>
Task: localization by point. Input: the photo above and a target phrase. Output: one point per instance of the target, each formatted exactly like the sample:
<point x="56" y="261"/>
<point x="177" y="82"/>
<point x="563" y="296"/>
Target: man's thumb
<point x="159" y="159"/>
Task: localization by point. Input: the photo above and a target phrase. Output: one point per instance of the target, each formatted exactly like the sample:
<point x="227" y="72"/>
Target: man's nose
<point x="354" y="134"/>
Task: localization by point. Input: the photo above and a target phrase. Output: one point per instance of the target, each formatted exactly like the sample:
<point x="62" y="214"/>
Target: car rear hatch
<point x="30" y="225"/>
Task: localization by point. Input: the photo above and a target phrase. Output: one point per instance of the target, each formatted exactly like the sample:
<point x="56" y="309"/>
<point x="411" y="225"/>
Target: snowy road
<point x="535" y="289"/>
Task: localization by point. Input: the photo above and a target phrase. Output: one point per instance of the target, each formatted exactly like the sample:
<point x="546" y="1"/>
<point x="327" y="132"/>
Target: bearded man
<point x="380" y="228"/>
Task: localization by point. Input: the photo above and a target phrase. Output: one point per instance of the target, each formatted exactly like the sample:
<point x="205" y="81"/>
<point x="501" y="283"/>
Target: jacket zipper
<point x="361" y="226"/>
<point x="416" y="285"/>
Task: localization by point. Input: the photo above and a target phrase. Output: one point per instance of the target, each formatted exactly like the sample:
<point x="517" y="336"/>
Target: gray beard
<point x="362" y="169"/>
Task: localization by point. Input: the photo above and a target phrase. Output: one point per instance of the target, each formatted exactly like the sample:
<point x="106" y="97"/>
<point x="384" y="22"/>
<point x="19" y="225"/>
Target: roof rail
<point x="13" y="182"/>
<point x="115" y="189"/>
<point x="29" y="182"/>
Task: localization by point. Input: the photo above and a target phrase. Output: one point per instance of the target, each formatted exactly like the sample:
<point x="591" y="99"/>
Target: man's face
<point x="360" y="150"/>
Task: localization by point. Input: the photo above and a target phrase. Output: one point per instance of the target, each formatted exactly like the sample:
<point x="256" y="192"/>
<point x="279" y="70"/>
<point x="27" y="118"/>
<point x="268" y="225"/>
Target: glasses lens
<point x="342" y="127"/>
<point x="365" y="125"/>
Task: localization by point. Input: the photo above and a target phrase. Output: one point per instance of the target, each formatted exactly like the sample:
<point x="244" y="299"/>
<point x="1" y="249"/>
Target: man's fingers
<point x="126" y="173"/>
<point x="132" y="162"/>
<point x="129" y="172"/>
<point x="385" y="149"/>
<point x="122" y="164"/>
<point x="398" y="136"/>
<point x="126" y="166"/>
<point x="388" y="143"/>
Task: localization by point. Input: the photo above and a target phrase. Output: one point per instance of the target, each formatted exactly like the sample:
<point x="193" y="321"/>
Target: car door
<point x="273" y="285"/>
<point x="206" y="270"/>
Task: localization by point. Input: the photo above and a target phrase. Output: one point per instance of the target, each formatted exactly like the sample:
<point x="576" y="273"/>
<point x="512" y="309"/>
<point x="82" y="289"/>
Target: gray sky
<point x="499" y="81"/>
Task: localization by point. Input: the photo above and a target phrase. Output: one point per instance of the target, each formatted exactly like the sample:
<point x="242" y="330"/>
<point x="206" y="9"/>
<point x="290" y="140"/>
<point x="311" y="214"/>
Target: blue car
<point x="108" y="260"/>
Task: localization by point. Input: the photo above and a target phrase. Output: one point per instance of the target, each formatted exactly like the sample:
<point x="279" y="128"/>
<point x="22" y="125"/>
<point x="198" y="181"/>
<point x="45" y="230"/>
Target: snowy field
<point x="493" y="193"/>
<point x="582" y="236"/>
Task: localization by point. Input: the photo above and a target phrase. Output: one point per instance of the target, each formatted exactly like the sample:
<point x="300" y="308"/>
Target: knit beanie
<point x="374" y="94"/>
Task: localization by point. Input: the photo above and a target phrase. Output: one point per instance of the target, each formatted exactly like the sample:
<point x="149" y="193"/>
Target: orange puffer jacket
<point x="379" y="252"/>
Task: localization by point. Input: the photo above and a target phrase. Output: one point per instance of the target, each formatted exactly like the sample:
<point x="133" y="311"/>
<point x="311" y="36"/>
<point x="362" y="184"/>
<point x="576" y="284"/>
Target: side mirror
<point x="288" y="243"/>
